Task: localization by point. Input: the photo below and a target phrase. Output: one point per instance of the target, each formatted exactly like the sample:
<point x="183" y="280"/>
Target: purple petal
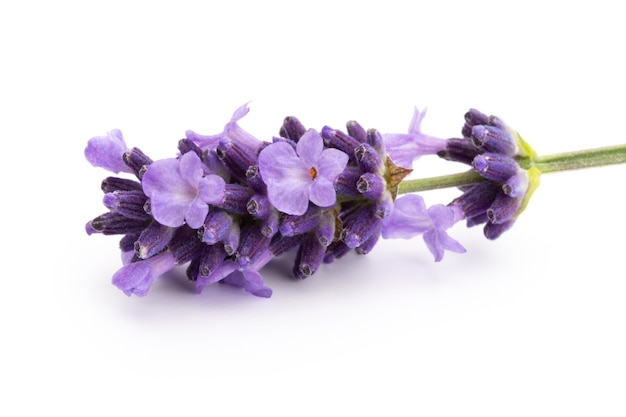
<point x="107" y="151"/>
<point x="170" y="194"/>
<point x="254" y="284"/>
<point x="168" y="212"/>
<point x="235" y="133"/>
<point x="250" y="280"/>
<point x="322" y="192"/>
<point x="240" y="113"/>
<point x="416" y="121"/>
<point x="409" y="218"/>
<point x="434" y="246"/>
<point x="453" y="245"/>
<point x="438" y="242"/>
<point x="196" y="213"/>
<point x="190" y="167"/>
<point x="235" y="278"/>
<point x="403" y="149"/>
<point x="400" y="148"/>
<point x="277" y="159"/>
<point x="331" y="163"/>
<point x="310" y="147"/>
<point x="287" y="179"/>
<point x="292" y="199"/>
<point x="211" y="189"/>
<point x="443" y="216"/>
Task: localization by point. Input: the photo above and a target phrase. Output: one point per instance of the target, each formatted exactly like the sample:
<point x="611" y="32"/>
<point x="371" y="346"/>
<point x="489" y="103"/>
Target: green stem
<point x="549" y="163"/>
<point x="581" y="159"/>
<point x="434" y="183"/>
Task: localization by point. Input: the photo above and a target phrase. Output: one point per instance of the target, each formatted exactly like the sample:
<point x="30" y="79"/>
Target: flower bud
<point x="292" y="128"/>
<point x="356" y="131"/>
<point x="371" y="186"/>
<point x="495" y="167"/>
<point x="493" y="139"/>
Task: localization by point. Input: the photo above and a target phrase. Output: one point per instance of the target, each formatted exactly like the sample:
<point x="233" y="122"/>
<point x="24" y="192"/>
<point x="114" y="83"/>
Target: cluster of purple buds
<point x="498" y="154"/>
<point x="230" y="203"/>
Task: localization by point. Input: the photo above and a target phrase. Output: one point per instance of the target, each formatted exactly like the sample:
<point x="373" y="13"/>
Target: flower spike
<point x="228" y="204"/>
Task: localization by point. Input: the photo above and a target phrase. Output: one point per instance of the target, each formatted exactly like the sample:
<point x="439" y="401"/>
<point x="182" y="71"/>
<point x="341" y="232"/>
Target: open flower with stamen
<point x="296" y="176"/>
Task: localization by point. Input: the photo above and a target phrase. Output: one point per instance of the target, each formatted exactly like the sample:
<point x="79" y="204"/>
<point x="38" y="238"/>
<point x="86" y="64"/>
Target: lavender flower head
<point x="295" y="176"/>
<point x="230" y="203"/>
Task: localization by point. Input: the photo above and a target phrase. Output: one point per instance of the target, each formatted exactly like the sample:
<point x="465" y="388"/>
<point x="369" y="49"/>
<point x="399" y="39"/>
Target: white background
<point x="531" y="324"/>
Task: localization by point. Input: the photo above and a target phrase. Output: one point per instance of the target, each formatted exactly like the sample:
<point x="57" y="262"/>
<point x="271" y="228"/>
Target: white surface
<point x="532" y="324"/>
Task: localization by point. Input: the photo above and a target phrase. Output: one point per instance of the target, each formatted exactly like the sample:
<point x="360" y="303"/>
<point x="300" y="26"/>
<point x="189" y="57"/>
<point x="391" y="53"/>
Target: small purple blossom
<point x="404" y="148"/>
<point x="295" y="176"/>
<point x="250" y="280"/>
<point x="231" y="131"/>
<point x="107" y="152"/>
<point x="179" y="192"/>
<point x="410" y="218"/>
<point x="137" y="277"/>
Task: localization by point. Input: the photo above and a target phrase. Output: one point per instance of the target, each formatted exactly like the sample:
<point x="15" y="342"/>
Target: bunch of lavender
<point x="229" y="203"/>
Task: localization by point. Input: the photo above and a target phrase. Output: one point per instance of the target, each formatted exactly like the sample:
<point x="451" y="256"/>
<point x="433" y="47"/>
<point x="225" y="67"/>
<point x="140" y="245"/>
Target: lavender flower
<point x="229" y="203"/>
<point x="137" y="277"/>
<point x="232" y="131"/>
<point x="411" y="218"/>
<point x="107" y="152"/>
<point x="295" y="176"/>
<point x="404" y="148"/>
<point x="179" y="192"/>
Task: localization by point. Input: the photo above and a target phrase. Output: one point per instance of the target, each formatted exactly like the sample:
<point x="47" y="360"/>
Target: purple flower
<point x="106" y="152"/>
<point x="137" y="277"/>
<point x="250" y="280"/>
<point x="179" y="192"/>
<point x="295" y="176"/>
<point x="410" y="218"/>
<point x="231" y="131"/>
<point x="404" y="148"/>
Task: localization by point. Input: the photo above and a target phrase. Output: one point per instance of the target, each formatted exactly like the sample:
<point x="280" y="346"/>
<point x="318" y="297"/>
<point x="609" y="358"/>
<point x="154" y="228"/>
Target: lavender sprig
<point x="229" y="203"/>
